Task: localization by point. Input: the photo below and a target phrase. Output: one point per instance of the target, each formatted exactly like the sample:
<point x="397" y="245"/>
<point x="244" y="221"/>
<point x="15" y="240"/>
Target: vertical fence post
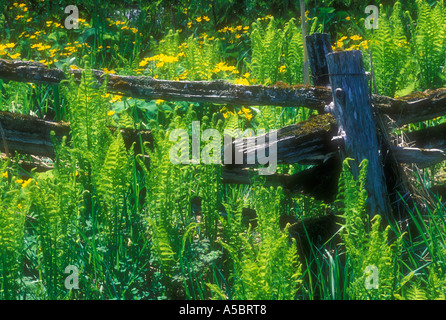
<point x="352" y="110"/>
<point x="318" y="46"/>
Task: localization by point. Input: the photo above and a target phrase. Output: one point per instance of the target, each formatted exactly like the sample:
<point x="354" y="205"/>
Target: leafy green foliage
<point x="15" y="205"/>
<point x="264" y="258"/>
<point x="391" y="53"/>
<point x="366" y="244"/>
<point x="266" y="51"/>
<point x="429" y="38"/>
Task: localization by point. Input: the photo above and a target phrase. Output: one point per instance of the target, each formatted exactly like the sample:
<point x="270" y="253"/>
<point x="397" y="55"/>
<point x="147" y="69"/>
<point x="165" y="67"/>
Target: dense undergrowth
<point x="139" y="230"/>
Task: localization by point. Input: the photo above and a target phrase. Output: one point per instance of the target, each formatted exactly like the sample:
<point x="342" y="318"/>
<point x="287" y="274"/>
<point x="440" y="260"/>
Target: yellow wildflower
<point x="226" y="112"/>
<point x="246" y="112"/>
<point x="14" y="56"/>
<point x="116" y="98"/>
<point x="108" y="71"/>
<point x="26" y="183"/>
<point x="242" y="81"/>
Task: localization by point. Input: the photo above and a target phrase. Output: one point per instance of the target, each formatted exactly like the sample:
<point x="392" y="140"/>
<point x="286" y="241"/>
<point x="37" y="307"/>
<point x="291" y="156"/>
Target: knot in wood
<point x="340" y="95"/>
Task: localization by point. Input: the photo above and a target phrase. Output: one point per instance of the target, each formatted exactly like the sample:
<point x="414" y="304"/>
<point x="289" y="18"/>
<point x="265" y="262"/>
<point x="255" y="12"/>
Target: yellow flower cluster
<point x="116" y="98"/>
<point x="50" y="23"/>
<point x="244" y="29"/>
<point x="32" y="36"/>
<point x="3" y="48"/>
<point x="24" y="183"/>
<point x="108" y="71"/>
<point x="121" y="25"/>
<point x="40" y="46"/>
<point x="237" y="32"/>
<point x="198" y="20"/>
<point x="226" y="112"/>
<point x="340" y="42"/>
<point x="203" y="18"/>
<point x="23" y="10"/>
<point x="353" y="46"/>
<point x="242" y="81"/>
<point x="246" y="112"/>
<point x="117" y="23"/>
<point x="222" y="66"/>
<point x="160" y="60"/>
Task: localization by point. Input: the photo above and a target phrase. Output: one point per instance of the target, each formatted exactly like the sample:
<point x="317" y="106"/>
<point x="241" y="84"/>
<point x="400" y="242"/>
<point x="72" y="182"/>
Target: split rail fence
<point x="350" y="122"/>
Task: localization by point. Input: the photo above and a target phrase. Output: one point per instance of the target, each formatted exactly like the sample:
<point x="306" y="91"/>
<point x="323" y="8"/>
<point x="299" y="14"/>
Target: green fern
<point x="57" y="205"/>
<point x="88" y="121"/>
<point x="267" y="46"/>
<point x="15" y="204"/>
<point x="391" y="53"/>
<point x="429" y="38"/>
<point x="293" y="49"/>
<point x="112" y="187"/>
<point x="416" y="293"/>
<point x="365" y="242"/>
<point x="265" y="262"/>
<point x="201" y="58"/>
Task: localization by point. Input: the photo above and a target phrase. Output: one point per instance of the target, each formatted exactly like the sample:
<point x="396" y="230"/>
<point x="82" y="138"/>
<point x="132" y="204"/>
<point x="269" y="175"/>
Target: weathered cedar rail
<point x="315" y="141"/>
<point x="418" y="106"/>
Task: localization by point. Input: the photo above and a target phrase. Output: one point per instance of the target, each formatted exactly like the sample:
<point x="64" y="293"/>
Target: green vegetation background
<point x="176" y="232"/>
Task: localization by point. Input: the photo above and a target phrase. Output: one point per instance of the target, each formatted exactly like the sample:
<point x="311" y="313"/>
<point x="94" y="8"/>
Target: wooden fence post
<point x="318" y="46"/>
<point x="352" y="110"/>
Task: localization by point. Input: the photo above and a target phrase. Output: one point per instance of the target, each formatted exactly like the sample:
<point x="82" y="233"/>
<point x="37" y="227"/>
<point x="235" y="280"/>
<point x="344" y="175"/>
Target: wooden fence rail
<point x="411" y="108"/>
